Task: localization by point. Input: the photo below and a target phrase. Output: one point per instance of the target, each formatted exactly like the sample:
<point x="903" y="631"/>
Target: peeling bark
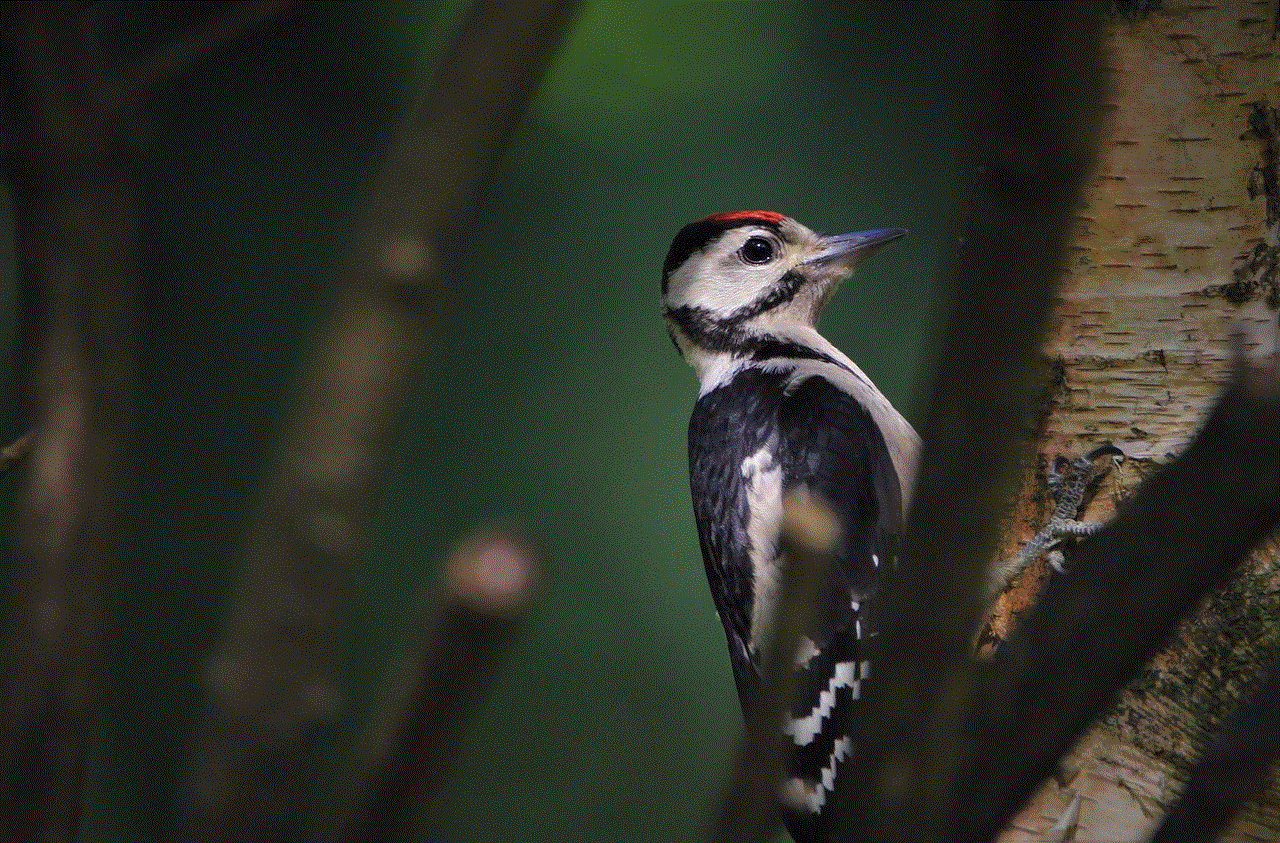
<point x="1177" y="248"/>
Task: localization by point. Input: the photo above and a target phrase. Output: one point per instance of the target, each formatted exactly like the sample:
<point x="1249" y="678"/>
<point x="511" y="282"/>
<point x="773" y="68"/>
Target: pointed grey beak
<point x="849" y="249"/>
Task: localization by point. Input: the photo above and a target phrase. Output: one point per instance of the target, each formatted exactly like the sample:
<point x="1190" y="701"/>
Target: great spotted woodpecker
<point x="781" y="407"/>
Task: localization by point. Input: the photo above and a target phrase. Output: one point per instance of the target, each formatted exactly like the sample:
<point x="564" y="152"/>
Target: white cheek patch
<point x="718" y="281"/>
<point x="730" y="292"/>
<point x="707" y="282"/>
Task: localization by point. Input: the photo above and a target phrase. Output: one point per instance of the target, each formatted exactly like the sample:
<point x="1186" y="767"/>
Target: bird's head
<point x="732" y="276"/>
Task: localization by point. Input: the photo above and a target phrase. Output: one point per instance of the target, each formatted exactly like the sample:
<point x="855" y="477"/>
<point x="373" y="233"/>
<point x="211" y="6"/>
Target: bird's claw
<point x="1068" y="481"/>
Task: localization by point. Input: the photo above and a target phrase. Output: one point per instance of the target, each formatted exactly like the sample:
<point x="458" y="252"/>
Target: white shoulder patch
<point x="762" y="476"/>
<point x="900" y="438"/>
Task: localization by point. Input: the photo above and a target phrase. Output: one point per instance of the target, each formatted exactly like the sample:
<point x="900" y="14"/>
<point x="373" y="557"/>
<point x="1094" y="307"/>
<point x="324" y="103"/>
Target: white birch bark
<point x="1177" y="247"/>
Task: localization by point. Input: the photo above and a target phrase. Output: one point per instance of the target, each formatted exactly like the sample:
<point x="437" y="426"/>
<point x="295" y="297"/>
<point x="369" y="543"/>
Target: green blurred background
<point x="551" y="394"/>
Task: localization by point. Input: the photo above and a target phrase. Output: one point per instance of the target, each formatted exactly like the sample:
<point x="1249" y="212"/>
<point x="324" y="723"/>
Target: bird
<point x="780" y="408"/>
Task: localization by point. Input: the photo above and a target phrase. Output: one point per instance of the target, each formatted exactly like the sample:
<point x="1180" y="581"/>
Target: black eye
<point x="757" y="250"/>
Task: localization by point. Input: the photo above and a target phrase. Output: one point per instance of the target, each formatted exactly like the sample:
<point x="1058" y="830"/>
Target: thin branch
<point x="1231" y="772"/>
<point x="1036" y="127"/>
<point x="74" y="213"/>
<point x="809" y="536"/>
<point x="15" y="451"/>
<point x="182" y="55"/>
<point x="270" y="685"/>
<point x="1178" y="536"/>
<point x="489" y="582"/>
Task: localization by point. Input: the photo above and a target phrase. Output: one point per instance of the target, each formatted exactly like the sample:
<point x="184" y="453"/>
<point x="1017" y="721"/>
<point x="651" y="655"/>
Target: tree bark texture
<point x="1177" y="248"/>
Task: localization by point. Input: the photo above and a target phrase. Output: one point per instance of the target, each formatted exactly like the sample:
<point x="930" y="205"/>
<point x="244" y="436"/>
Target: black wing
<point x="728" y="424"/>
<point x="824" y="439"/>
<point x="830" y="444"/>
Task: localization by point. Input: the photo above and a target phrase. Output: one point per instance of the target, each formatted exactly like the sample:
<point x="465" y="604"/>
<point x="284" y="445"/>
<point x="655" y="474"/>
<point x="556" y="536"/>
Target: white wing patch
<point x="808" y="795"/>
<point x="901" y="439"/>
<point x="763" y="478"/>
<point x="804" y="729"/>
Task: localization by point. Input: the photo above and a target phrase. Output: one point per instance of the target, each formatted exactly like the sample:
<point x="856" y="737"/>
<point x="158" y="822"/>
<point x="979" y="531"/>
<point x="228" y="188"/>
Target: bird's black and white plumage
<point x="780" y="407"/>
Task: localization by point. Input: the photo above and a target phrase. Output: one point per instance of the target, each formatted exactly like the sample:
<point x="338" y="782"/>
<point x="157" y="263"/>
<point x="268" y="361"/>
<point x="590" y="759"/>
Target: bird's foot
<point x="1068" y="482"/>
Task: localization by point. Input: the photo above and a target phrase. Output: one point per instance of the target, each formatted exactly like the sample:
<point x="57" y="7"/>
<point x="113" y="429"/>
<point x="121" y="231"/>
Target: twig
<point x="1178" y="536"/>
<point x="1231" y="771"/>
<point x="183" y="54"/>
<point x="74" y="207"/>
<point x="13" y="453"/>
<point x="1037" y="132"/>
<point x="271" y="681"/>
<point x="809" y="536"/>
<point x="489" y="581"/>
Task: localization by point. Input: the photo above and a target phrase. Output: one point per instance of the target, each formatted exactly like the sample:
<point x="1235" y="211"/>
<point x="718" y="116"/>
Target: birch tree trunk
<point x="1178" y="245"/>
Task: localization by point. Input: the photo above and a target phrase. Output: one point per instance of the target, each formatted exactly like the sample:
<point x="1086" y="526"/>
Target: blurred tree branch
<point x="489" y="581"/>
<point x="950" y="749"/>
<point x="1036" y="120"/>
<point x="1124" y="373"/>
<point x="270" y="685"/>
<point x="16" y="451"/>
<point x="214" y="38"/>
<point x="72" y="176"/>
<point x="808" y="539"/>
